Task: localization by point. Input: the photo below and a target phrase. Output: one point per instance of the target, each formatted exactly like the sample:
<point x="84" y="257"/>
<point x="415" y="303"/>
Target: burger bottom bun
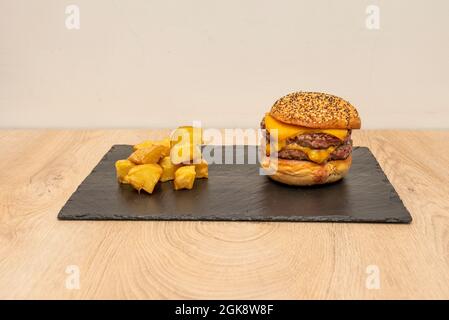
<point x="307" y="173"/>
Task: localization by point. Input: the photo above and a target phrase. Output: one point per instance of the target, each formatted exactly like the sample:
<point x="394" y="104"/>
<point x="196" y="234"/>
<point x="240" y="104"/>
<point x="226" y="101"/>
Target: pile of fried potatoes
<point x="176" y="158"/>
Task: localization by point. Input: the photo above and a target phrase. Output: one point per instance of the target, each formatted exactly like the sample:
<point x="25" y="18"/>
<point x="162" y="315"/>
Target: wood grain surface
<point x="41" y="168"/>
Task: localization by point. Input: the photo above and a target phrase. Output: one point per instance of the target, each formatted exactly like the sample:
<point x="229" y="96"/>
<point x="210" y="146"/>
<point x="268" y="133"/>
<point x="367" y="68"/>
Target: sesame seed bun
<point x="307" y="173"/>
<point x="316" y="110"/>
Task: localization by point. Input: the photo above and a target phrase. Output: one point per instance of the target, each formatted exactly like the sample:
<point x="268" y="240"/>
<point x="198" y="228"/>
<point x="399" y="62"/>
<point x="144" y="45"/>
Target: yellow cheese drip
<point x="315" y="155"/>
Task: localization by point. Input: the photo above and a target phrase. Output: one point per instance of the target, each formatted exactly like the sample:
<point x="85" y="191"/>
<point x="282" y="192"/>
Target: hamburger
<point x="311" y="135"/>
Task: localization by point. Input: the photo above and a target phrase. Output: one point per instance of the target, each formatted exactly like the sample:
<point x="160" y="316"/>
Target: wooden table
<point x="41" y="168"/>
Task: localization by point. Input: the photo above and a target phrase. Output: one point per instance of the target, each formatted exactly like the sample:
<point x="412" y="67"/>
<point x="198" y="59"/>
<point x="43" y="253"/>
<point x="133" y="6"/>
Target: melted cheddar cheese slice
<point x="285" y="131"/>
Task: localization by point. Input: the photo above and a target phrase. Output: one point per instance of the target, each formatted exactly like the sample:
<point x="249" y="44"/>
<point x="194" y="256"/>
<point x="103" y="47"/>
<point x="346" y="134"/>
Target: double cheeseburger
<point x="311" y="134"/>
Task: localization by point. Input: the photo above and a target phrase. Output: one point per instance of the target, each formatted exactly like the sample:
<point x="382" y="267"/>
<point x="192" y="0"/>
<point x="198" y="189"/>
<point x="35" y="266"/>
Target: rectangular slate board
<point x="236" y="192"/>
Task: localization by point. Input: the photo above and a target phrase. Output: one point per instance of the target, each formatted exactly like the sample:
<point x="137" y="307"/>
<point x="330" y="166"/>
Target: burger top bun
<point x="316" y="110"/>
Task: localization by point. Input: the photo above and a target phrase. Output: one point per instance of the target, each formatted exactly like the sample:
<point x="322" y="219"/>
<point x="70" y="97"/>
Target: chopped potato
<point x="148" y="143"/>
<point x="122" y="167"/>
<point x="184" y="177"/>
<point x="149" y="155"/>
<point x="144" y="144"/>
<point x="177" y="157"/>
<point x="168" y="168"/>
<point x="187" y="135"/>
<point x="202" y="169"/>
<point x="165" y="143"/>
<point x="144" y="177"/>
<point x="185" y="153"/>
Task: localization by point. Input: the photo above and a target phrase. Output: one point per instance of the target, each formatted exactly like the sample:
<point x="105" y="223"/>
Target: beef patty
<point x="315" y="141"/>
<point x="340" y="153"/>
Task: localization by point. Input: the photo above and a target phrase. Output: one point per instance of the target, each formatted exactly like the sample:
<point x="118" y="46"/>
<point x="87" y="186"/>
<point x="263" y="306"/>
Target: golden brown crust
<point x="316" y="110"/>
<point x="307" y="173"/>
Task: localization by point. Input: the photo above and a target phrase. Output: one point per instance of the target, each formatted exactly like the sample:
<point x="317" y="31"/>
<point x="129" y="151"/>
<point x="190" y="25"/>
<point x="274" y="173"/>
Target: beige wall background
<point x="161" y="63"/>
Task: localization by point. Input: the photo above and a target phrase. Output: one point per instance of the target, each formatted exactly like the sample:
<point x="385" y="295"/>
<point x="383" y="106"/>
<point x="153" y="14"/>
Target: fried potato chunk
<point x="184" y="177"/>
<point x="150" y="154"/>
<point x="168" y="168"/>
<point x="122" y="168"/>
<point x="164" y="142"/>
<point x="144" y="177"/>
<point x="148" y="143"/>
<point x="144" y="144"/>
<point x="185" y="153"/>
<point x="202" y="169"/>
<point x="187" y="135"/>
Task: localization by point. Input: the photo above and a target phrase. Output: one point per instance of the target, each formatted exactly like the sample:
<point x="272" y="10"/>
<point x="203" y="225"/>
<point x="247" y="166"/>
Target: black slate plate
<point x="237" y="192"/>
